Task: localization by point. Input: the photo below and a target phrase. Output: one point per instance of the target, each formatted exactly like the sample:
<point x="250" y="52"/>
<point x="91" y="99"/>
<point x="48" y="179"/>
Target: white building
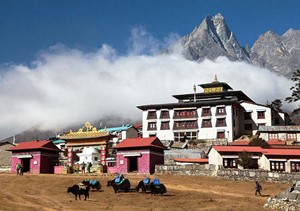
<point x="278" y="160"/>
<point x="89" y="154"/>
<point x="217" y="113"/>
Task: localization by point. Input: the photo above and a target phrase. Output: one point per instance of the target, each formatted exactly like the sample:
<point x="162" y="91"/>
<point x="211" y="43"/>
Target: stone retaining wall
<point x="169" y="155"/>
<point x="233" y="174"/>
<point x="203" y="170"/>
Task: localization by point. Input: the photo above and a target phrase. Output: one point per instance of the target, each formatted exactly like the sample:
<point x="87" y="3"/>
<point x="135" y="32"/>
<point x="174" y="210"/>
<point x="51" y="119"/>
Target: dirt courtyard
<point x="49" y="192"/>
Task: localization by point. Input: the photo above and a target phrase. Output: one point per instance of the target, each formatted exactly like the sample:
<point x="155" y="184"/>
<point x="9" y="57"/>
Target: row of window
<point x="185" y="113"/>
<point x="274" y="165"/>
<point x="288" y="136"/>
<point x="183" y="136"/>
<point x="260" y="115"/>
<point x="221" y="122"/>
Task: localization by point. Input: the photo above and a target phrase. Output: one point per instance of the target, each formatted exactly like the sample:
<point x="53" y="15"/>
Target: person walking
<point x="258" y="188"/>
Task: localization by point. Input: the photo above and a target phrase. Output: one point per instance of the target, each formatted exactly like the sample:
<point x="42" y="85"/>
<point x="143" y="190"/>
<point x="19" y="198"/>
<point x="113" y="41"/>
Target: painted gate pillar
<point x="70" y="157"/>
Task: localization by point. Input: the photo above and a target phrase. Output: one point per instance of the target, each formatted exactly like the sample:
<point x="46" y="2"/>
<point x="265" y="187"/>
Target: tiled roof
<point x="120" y="128"/>
<point x="240" y="143"/>
<point x="191" y="160"/>
<point x="276" y="142"/>
<point x="238" y="148"/>
<point x="285" y="128"/>
<point x="35" y="145"/>
<point x="282" y="152"/>
<point x="285" y="152"/>
<point x="140" y="143"/>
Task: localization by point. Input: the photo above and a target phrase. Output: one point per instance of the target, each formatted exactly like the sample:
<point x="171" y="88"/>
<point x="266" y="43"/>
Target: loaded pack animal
<point x="144" y="185"/>
<point x="94" y="184"/>
<point x="119" y="184"/>
<point x="157" y="188"/>
<point x="79" y="190"/>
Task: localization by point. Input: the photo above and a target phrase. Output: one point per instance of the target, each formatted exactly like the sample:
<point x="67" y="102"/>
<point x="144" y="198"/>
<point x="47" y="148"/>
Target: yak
<point x="78" y="191"/>
<point x="157" y="188"/>
<point x="94" y="184"/>
<point x="119" y="184"/>
<point x="144" y="185"/>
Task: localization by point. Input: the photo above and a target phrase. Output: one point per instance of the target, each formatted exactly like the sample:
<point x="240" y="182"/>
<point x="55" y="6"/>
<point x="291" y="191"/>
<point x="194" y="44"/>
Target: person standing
<point x="89" y="165"/>
<point x="77" y="166"/>
<point x="258" y="188"/>
<point x="83" y="168"/>
<point x="21" y="169"/>
<point x="18" y="166"/>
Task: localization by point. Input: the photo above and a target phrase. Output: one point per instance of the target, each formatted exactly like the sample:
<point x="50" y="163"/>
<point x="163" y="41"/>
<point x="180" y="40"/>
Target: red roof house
<point x="36" y="156"/>
<point x="139" y="155"/>
<point x="271" y="159"/>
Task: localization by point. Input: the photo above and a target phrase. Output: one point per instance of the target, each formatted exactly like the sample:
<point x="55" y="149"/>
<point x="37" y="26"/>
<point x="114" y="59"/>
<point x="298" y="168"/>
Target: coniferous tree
<point x="295" y="89"/>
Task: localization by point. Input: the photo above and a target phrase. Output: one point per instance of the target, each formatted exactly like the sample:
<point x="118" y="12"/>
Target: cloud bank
<point x="66" y="86"/>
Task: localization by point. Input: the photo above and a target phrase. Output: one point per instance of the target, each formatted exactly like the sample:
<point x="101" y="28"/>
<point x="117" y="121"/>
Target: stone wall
<point x="233" y="174"/>
<point x="203" y="170"/>
<point x="169" y="155"/>
<point x="5" y="156"/>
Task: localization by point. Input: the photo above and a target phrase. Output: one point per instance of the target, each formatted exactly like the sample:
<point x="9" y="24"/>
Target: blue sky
<point x="63" y="63"/>
<point x="31" y="26"/>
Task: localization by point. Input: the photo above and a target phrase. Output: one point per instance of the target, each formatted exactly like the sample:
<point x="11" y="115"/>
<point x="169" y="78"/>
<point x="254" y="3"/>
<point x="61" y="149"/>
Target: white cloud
<point x="66" y="86"/>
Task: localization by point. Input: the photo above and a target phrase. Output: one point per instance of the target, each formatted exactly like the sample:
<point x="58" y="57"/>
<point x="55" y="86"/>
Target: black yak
<point x="78" y="191"/>
<point x="94" y="184"/>
<point x="119" y="184"/>
<point x="157" y="188"/>
<point x="144" y="185"/>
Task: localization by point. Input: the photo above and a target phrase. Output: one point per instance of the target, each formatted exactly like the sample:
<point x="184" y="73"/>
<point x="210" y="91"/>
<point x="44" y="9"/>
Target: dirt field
<point x="49" y="192"/>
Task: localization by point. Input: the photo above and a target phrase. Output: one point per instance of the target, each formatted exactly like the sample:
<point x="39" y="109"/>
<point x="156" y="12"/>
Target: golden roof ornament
<point x="89" y="132"/>
<point x="216" y="79"/>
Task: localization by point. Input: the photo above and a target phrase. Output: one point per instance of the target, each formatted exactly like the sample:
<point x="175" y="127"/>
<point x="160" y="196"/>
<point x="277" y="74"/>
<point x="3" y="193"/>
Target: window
<point x="295" y="166"/>
<point x="183" y="136"/>
<point x="291" y="137"/>
<point x="164" y="115"/>
<point x="206" y="123"/>
<point x="221" y="134"/>
<point x="229" y="163"/>
<point x="165" y="126"/>
<point x="206" y="112"/>
<point x="221" y="122"/>
<point x="277" y="165"/>
<point x="151" y="115"/>
<point x="152" y="126"/>
<point x="111" y="163"/>
<point x="185" y="125"/>
<point x="247" y="115"/>
<point x="221" y="111"/>
<point x="185" y="114"/>
<point x="261" y="115"/>
<point x="248" y="126"/>
<point x="273" y="136"/>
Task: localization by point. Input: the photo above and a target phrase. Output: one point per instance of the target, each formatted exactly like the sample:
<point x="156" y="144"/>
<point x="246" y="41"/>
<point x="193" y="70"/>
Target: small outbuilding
<point x="36" y="156"/>
<point x="139" y="155"/>
<point x="5" y="156"/>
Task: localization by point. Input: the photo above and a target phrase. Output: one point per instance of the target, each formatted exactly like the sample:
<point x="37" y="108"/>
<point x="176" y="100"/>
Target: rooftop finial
<point x="216" y="79"/>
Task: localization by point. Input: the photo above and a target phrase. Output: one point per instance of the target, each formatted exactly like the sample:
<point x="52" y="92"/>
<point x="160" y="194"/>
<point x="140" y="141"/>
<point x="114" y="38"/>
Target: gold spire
<point x="216" y="79"/>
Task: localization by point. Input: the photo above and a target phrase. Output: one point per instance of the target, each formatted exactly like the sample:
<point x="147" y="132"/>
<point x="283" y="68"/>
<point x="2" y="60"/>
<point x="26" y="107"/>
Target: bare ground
<point x="49" y="192"/>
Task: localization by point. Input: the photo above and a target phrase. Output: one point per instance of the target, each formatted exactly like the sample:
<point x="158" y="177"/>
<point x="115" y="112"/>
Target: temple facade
<point x="216" y="113"/>
<point x="87" y="136"/>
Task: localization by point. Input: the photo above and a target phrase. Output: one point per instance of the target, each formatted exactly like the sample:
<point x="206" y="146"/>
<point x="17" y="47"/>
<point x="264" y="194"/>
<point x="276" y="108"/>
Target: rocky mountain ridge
<point x="213" y="38"/>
